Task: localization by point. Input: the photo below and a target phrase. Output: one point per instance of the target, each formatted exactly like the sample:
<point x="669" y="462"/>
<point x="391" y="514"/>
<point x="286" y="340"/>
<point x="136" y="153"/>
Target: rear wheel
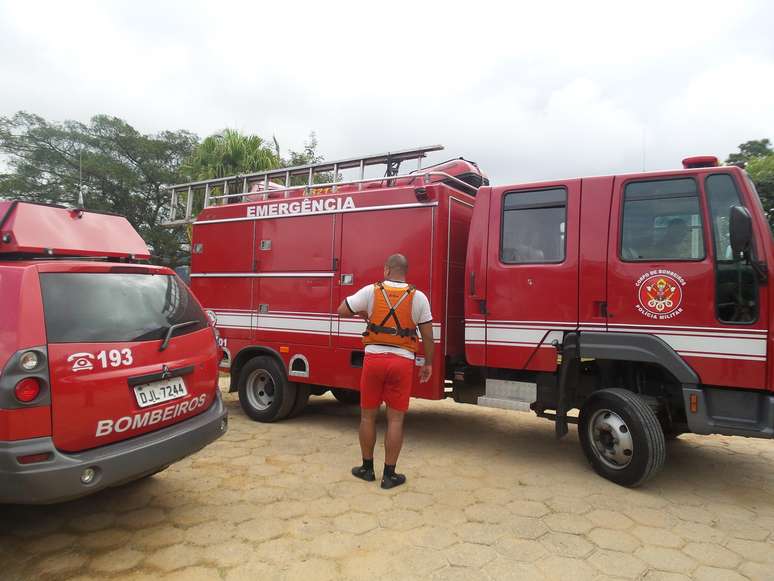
<point x="265" y="393"/>
<point x="302" y="398"/>
<point x="621" y="437"/>
<point x="346" y="396"/>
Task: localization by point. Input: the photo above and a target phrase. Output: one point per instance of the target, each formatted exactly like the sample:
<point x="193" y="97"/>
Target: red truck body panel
<point x="595" y="288"/>
<point x="275" y="272"/>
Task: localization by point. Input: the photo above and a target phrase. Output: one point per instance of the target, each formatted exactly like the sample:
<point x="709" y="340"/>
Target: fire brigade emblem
<point x="660" y="294"/>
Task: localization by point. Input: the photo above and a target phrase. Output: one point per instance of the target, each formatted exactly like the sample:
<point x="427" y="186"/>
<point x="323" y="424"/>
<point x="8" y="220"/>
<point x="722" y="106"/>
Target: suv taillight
<point x="27" y="390"/>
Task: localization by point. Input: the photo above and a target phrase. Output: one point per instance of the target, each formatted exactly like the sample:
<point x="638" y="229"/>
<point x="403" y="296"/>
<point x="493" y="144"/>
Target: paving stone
<point x="355" y="522"/>
<point x="174" y="557"/>
<point x="258" y="530"/>
<point x="617" y="564"/>
<point x="566" y="545"/>
<point x="228" y="554"/>
<point x="614" y="540"/>
<point x="313" y="570"/>
<point x="665" y="559"/>
<point x="658" y="537"/>
<point x="207" y="534"/>
<point x="436" y="538"/>
<point x="609" y="519"/>
<point x="757" y="551"/>
<point x="400" y="520"/>
<point x="756" y="571"/>
<point x="194" y="574"/>
<point x="568" y="523"/>
<point x="558" y="568"/>
<point x="528" y="508"/>
<point x="469" y="555"/>
<point x="60" y="564"/>
<point x="276" y="502"/>
<point x="503" y="569"/>
<point x="481" y="533"/>
<point x="704" y="573"/>
<point x="712" y="554"/>
<point x="117" y="561"/>
<point x="520" y="549"/>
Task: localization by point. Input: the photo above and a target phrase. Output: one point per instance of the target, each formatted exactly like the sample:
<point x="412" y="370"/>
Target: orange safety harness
<point x="391" y="331"/>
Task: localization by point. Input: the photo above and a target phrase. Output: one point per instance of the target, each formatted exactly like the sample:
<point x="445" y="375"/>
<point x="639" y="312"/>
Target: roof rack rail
<point x="264" y="181"/>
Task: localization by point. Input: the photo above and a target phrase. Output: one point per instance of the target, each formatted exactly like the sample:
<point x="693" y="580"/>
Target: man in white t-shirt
<point x="393" y="310"/>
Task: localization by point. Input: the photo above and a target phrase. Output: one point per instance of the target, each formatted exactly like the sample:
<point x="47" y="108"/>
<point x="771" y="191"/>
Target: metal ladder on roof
<point x="191" y="197"/>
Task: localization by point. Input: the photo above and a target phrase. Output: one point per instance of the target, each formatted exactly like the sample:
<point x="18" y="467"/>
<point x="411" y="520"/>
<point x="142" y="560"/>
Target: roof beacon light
<point x="700" y="161"/>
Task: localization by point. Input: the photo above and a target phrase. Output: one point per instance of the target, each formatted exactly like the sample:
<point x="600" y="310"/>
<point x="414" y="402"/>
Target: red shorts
<point x="386" y="378"/>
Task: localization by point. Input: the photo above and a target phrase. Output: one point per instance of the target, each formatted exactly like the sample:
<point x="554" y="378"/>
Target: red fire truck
<point x="639" y="300"/>
<point x="108" y="367"/>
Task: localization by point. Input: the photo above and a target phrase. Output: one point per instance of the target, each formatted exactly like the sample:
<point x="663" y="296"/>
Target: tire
<point x="302" y="398"/>
<point x="265" y="393"/>
<point x="346" y="396"/>
<point x="621" y="437"/>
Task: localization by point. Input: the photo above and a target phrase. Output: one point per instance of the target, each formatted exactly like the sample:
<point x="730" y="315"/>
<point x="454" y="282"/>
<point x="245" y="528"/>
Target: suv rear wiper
<point x="172" y="329"/>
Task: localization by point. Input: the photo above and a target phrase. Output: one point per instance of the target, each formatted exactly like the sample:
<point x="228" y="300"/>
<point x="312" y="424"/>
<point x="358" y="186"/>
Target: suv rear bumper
<point x="59" y="479"/>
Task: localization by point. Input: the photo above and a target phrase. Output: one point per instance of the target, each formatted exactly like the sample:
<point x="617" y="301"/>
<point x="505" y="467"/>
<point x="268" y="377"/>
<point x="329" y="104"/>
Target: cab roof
<point x="29" y="229"/>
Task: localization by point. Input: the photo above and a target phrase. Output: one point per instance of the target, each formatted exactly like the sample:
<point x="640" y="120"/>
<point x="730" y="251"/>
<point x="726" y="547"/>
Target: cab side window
<point x="533" y="226"/>
<point x="662" y="221"/>
<point x="736" y="290"/>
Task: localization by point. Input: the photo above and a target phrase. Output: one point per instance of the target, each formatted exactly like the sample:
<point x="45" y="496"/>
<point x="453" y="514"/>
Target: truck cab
<point x="641" y="300"/>
<point x="108" y="366"/>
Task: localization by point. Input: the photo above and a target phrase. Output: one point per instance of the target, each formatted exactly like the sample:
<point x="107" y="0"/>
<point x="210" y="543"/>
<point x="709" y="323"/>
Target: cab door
<point x="532" y="279"/>
<point x="669" y="275"/>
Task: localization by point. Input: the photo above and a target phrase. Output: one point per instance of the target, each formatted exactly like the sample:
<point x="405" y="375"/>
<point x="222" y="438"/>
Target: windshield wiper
<point x="172" y="329"/>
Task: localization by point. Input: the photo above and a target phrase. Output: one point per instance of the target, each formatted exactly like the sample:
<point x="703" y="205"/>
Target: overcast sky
<point x="543" y="90"/>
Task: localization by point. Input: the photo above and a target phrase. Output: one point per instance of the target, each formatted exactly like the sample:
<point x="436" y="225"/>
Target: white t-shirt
<point x="363" y="301"/>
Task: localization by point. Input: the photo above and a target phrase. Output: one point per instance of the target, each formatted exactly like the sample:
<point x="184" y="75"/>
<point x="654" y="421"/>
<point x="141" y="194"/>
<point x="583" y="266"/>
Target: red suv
<point x="109" y="367"/>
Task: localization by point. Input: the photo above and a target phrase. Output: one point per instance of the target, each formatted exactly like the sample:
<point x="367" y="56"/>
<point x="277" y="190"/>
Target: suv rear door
<point x="110" y="377"/>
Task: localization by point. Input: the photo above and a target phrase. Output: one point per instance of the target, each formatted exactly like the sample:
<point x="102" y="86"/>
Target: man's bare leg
<point x="367" y="434"/>
<point x="393" y="442"/>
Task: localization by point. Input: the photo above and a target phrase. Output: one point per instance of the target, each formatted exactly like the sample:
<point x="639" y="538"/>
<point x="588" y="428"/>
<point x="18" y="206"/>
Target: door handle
<point x="472" y="283"/>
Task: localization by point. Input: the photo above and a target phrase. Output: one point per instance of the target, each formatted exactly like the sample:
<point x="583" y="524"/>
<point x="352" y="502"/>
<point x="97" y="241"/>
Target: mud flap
<point x="568" y="376"/>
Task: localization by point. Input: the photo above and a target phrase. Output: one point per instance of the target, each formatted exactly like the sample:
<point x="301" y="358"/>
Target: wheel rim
<point x="260" y="389"/>
<point x="611" y="439"/>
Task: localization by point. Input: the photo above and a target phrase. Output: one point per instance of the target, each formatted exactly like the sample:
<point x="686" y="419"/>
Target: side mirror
<point x="740" y="230"/>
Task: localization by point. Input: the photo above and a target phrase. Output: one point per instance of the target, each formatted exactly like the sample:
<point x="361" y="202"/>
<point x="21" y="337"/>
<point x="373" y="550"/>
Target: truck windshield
<point x="116" y="307"/>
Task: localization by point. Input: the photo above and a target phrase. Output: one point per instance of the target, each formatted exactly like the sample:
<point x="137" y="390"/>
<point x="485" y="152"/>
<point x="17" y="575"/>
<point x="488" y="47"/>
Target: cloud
<point x="530" y="91"/>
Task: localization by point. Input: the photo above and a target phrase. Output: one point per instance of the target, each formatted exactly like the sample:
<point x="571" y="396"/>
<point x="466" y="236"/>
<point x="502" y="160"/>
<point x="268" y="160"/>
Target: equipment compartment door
<point x="367" y="239"/>
<point x="532" y="285"/>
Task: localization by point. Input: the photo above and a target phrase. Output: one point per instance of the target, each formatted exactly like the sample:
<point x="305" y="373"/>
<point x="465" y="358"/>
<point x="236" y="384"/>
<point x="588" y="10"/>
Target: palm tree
<point x="229" y="153"/>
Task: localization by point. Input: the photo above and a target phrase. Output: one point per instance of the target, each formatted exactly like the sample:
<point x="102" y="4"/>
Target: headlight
<point x="29" y="360"/>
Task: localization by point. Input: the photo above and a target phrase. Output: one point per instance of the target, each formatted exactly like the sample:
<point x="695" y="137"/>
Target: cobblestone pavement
<point x="491" y="494"/>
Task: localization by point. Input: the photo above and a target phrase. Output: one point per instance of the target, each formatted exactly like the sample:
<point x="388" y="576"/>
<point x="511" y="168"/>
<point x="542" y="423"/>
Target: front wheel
<point x="265" y="393"/>
<point x="621" y="437"/>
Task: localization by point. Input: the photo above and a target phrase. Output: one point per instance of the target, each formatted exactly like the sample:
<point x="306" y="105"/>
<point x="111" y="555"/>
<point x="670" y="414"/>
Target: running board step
<point x="508" y="395"/>
<point x="504" y="403"/>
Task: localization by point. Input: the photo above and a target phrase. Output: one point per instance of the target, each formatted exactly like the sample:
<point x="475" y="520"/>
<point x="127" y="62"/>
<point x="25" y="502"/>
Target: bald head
<point x="396" y="266"/>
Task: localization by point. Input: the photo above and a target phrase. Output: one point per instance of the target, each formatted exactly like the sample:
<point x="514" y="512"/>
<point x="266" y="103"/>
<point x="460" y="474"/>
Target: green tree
<point x="120" y="170"/>
<point x="229" y="153"/>
<point x="761" y="170"/>
<point x="750" y="150"/>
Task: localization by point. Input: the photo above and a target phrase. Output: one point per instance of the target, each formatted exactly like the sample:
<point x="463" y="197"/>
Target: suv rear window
<point x="116" y="307"/>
